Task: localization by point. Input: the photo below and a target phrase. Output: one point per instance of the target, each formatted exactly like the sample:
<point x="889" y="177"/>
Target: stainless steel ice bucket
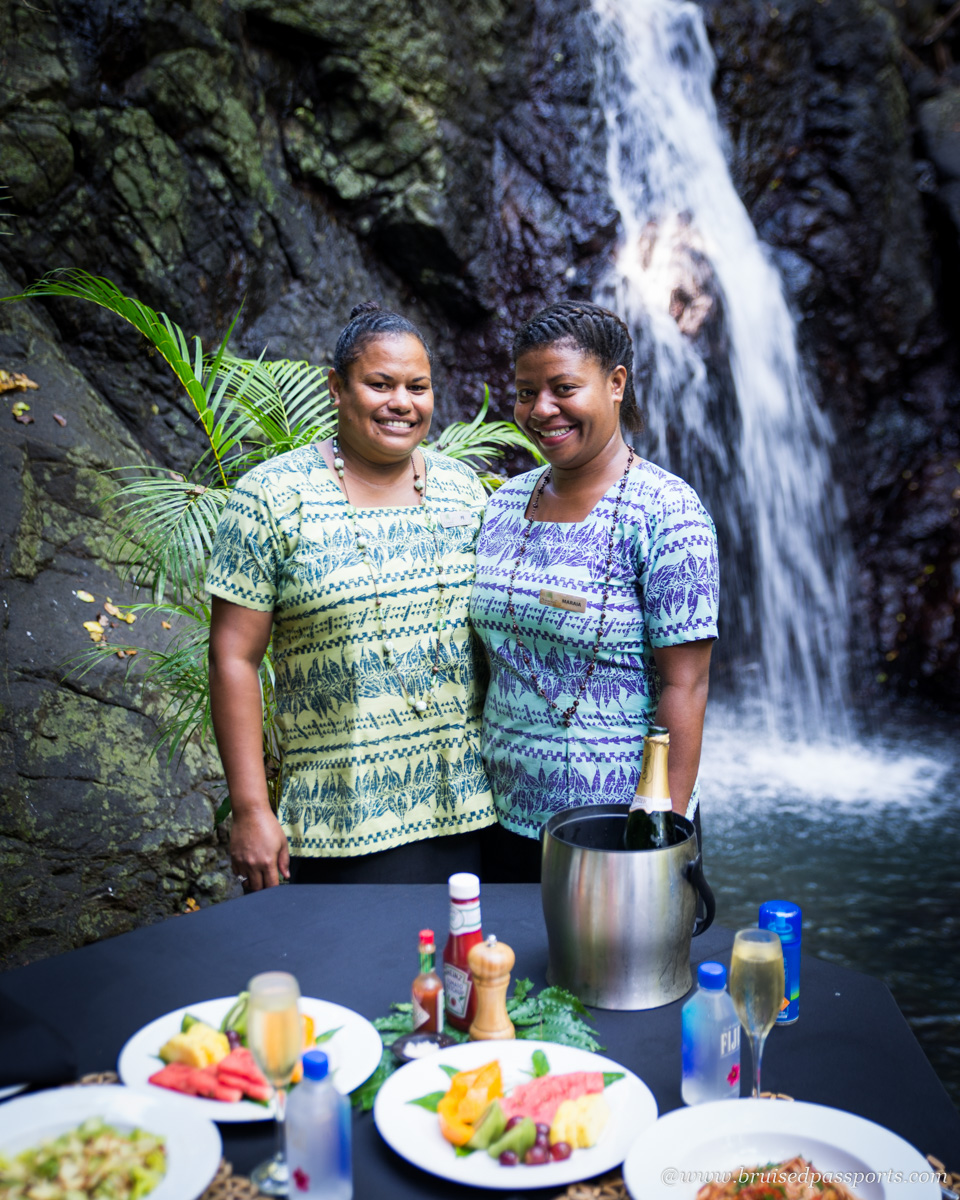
<point x="619" y="922"/>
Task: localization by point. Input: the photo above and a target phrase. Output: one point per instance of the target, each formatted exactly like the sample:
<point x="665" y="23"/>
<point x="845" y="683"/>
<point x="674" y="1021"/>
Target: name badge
<point x="564" y="600"/>
<point x="449" y="520"/>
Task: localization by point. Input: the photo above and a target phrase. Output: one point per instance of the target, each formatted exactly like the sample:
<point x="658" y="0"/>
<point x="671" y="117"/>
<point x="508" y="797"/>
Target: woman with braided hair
<point x="357" y="556"/>
<point x="596" y="594"/>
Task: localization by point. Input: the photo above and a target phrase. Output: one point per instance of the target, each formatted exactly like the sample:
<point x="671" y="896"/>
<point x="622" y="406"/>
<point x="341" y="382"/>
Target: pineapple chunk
<point x="580" y="1122"/>
<point x="200" y="1046"/>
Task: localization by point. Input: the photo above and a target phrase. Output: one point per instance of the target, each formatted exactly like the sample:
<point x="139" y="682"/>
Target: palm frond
<point x="286" y="404"/>
<point x="184" y="355"/>
<point x="481" y="443"/>
<point x="169" y="523"/>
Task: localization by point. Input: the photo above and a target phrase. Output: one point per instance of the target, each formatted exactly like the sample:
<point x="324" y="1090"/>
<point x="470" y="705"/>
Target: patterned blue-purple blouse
<point x="664" y="590"/>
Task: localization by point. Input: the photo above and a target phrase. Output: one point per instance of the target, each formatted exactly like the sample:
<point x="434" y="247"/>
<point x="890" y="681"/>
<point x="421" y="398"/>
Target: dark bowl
<point x="403" y="1046"/>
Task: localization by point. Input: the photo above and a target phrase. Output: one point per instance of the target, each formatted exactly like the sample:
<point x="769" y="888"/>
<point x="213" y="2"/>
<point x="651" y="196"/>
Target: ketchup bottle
<point x="465" y="932"/>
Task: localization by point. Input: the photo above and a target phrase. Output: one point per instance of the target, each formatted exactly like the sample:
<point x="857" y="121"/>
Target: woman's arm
<point x="238" y="641"/>
<point x="684" y="676"/>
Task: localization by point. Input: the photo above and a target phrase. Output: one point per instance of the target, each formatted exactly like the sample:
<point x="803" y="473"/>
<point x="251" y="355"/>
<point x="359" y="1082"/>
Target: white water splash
<point x="743" y="768"/>
<point x="746" y="433"/>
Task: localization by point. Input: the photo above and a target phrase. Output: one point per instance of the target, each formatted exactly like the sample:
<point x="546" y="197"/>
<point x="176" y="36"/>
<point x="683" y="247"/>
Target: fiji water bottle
<point x="786" y="919"/>
<point x="711" y="1040"/>
<point x="317" y="1131"/>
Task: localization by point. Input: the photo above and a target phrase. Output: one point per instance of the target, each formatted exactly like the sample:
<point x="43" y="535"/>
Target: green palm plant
<point x="249" y="410"/>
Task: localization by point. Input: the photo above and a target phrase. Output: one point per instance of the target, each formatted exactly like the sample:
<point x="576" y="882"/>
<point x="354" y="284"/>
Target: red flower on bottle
<point x="734" y="1074"/>
<point x="301" y="1179"/>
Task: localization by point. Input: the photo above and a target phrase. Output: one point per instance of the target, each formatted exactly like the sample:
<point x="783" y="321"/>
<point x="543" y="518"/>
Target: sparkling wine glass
<point x="756" y="987"/>
<point x="275" y="1040"/>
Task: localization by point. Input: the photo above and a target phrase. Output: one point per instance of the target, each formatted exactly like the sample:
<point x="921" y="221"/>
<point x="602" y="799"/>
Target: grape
<point x="234" y="1039"/>
<point x="543" y="1139"/>
<point x="561" y="1150"/>
<point x="513" y="1121"/>
<point x="536" y="1156"/>
<point x="508" y="1158"/>
<point x="543" y="1129"/>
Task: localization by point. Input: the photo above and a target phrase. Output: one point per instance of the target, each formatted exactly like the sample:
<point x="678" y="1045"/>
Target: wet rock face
<point x="446" y="157"/>
<point x="97" y="835"/>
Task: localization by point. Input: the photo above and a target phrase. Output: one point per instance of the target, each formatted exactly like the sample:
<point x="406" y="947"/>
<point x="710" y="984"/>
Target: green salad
<point x="92" y="1162"/>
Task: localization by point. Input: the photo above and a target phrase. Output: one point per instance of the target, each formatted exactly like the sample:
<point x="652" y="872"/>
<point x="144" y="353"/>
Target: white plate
<point x="11" y="1090"/>
<point x="414" y="1133"/>
<point x="737" y="1133"/>
<point x="354" y="1052"/>
<point x="193" y="1147"/>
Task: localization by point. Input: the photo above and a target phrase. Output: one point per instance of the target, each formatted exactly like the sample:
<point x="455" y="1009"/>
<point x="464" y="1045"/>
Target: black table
<point x="357" y="945"/>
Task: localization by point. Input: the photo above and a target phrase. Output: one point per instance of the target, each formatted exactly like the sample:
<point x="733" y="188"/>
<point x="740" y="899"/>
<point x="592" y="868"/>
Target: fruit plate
<point x="193" y="1147"/>
<point x="414" y="1132"/>
<point x="354" y="1052"/>
<point x="672" y="1159"/>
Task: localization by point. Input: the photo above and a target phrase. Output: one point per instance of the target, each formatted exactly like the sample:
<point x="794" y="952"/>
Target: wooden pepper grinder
<point x="490" y="964"/>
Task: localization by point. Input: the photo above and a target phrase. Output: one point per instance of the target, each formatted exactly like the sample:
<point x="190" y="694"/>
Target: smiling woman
<point x="357" y="555"/>
<point x="596" y="594"/>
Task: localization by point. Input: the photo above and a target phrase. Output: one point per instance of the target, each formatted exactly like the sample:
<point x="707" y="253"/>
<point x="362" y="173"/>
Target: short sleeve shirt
<point x="663" y="591"/>
<point x="362" y="770"/>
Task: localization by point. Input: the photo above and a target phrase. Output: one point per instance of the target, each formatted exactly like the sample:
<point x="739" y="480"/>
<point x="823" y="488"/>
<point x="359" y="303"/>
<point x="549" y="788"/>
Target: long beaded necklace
<point x="567" y="715"/>
<point x="433" y="691"/>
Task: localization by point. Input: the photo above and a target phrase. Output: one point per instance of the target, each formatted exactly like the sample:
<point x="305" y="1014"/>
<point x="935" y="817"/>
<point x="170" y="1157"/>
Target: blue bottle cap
<point x="315" y="1065"/>
<point x="712" y="976"/>
<point x="783" y="918"/>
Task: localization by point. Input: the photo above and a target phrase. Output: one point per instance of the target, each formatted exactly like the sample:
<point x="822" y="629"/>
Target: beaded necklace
<point x="433" y="691"/>
<point x="567" y="715"/>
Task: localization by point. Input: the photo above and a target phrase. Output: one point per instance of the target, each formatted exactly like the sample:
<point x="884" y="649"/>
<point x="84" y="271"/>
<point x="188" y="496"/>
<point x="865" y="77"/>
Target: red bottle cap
<point x="426" y="936"/>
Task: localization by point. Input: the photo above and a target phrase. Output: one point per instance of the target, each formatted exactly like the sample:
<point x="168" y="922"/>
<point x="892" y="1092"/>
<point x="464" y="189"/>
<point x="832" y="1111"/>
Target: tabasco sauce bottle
<point x="427" y="989"/>
<point x="465" y="932"/>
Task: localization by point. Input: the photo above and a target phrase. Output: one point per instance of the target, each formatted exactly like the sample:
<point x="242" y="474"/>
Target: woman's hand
<point x="258" y="848"/>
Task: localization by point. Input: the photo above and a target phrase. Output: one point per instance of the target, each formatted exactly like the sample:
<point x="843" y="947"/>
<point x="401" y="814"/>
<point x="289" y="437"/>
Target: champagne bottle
<point x="650" y="825"/>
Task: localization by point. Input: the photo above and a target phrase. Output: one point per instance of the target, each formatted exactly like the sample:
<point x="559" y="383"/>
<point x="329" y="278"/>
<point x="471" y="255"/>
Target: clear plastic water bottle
<point x="318" y="1135"/>
<point x="711" y="1039"/>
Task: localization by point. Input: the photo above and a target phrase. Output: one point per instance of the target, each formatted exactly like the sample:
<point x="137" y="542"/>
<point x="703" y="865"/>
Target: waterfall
<point x="726" y="403"/>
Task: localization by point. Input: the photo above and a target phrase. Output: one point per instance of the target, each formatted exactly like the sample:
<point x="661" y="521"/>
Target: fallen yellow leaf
<point x="113" y="610"/>
<point x="15" y="382"/>
<point x="165" y="624"/>
<point x="85" y="596"/>
<point x="20" y="408"/>
<point x="190" y="905"/>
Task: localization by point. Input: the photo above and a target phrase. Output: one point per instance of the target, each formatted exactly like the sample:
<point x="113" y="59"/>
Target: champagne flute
<point x="275" y="1039"/>
<point x="756" y="987"/>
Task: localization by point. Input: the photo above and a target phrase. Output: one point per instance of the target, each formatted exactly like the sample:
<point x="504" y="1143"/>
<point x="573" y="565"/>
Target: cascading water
<point x="697" y="286"/>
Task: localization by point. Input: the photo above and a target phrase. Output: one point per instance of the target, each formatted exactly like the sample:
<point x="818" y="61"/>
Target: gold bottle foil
<point x="653" y="787"/>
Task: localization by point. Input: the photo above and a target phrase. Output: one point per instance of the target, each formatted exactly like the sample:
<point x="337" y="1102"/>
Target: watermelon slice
<point x="540" y="1098"/>
<point x="241" y="1062"/>
<point x="196" y="1081"/>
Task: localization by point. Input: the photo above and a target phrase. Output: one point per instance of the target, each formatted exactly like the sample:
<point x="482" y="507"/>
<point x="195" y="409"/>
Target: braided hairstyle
<point x="367" y="322"/>
<point x="592" y="329"/>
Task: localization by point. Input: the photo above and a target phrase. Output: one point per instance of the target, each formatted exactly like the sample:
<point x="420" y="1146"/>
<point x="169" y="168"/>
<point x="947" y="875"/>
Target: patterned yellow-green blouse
<point x="363" y="771"/>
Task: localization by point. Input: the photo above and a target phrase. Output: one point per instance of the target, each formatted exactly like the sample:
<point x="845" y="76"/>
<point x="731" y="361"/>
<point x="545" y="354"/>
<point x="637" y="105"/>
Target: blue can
<point x="786" y="919"/>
